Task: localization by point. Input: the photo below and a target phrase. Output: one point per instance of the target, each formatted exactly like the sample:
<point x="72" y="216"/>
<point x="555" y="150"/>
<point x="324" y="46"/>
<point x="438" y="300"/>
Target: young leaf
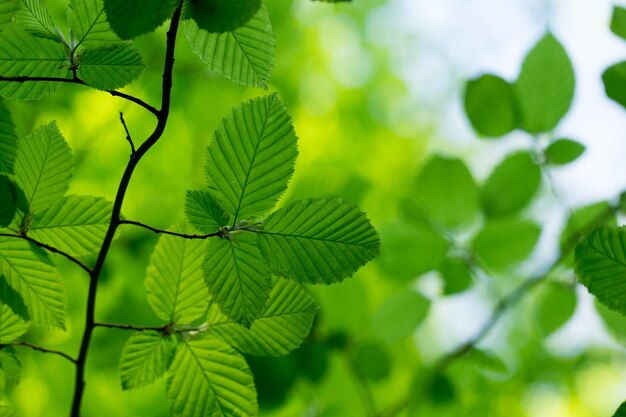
<point x="221" y="15"/>
<point x="564" y="151"/>
<point x="22" y="55"/>
<point x="282" y="327"/>
<point x="614" y="79"/>
<point x="237" y="277"/>
<point x="318" y="241"/>
<point x="399" y="316"/>
<point x="204" y="213"/>
<point x="89" y="24"/>
<point x="35" y="19"/>
<point x="618" y="22"/>
<point x="244" y="56"/>
<point x="110" y="68"/>
<point x="511" y="185"/>
<point x="209" y="378"/>
<point x="490" y="105"/>
<point x="8" y="208"/>
<point x="8" y="9"/>
<point x="73" y="224"/>
<point x="252" y="157"/>
<point x="545" y="87"/>
<point x="130" y="19"/>
<point x="145" y="358"/>
<point x="12" y="327"/>
<point x="28" y="271"/>
<point x="447" y="191"/>
<point x="43" y="167"/>
<point x="556" y="305"/>
<point x="503" y="243"/>
<point x="621" y="411"/>
<point x="174" y="282"/>
<point x="8" y="141"/>
<point x="601" y="265"/>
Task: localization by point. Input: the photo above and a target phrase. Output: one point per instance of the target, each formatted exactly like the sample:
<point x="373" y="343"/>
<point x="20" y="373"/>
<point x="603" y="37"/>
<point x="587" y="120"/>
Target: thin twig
<point x="131" y="327"/>
<point x="128" y="137"/>
<point x="51" y="249"/>
<point x="76" y="80"/>
<point x="167" y="232"/>
<point x="42" y="349"/>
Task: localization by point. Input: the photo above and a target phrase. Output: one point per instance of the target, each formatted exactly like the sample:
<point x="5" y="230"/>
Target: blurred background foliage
<point x="344" y="73"/>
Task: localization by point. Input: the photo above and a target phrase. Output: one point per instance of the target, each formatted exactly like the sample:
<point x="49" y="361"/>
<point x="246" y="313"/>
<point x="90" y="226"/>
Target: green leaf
<point x="204" y="213"/>
<point x="28" y="271"/>
<point x="237" y="277"/>
<point x="401" y="241"/>
<point x="89" y="24"/>
<point x="174" y="283"/>
<point x="581" y="221"/>
<point x="244" y="56"/>
<point x="130" y="19"/>
<point x="373" y="360"/>
<point x="221" y="15"/>
<point x="621" y="411"/>
<point x="601" y="265"/>
<point x="564" y="151"/>
<point x="556" y="305"/>
<point x="490" y="106"/>
<point x="282" y="327"/>
<point x="145" y="358"/>
<point x="43" y="167"/>
<point x="511" y="186"/>
<point x="110" y="68"/>
<point x="487" y="360"/>
<point x="13" y="300"/>
<point x="34" y="17"/>
<point x="12" y="327"/>
<point x="10" y="367"/>
<point x="399" y="316"/>
<point x="22" y="55"/>
<point x="614" y="79"/>
<point x="615" y="322"/>
<point x="545" y="87"/>
<point x="74" y="224"/>
<point x="447" y="191"/>
<point x="222" y="385"/>
<point x="505" y="242"/>
<point x="318" y="241"/>
<point x="618" y="22"/>
<point x="456" y="275"/>
<point x="8" y="9"/>
<point x="252" y="157"/>
<point x="8" y="141"/>
<point x="8" y="208"/>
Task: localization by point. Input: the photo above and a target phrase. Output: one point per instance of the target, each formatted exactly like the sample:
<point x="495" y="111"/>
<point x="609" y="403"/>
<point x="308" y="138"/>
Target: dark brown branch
<point x="76" y="80"/>
<point x="42" y="349"/>
<point x="167" y="232"/>
<point x="162" y="118"/>
<point x="51" y="249"/>
<point x="128" y="137"/>
<point x="131" y="327"/>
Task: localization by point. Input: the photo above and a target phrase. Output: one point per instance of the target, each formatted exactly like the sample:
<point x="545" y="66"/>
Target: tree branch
<point x="42" y="349"/>
<point x="162" y="118"/>
<point x="76" y="80"/>
<point x="128" y="137"/>
<point x="50" y="249"/>
<point x="167" y="232"/>
<point x="131" y="327"/>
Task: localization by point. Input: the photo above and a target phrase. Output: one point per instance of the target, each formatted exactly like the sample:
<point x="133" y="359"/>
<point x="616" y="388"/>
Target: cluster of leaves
<point x="227" y="279"/>
<point x="601" y="256"/>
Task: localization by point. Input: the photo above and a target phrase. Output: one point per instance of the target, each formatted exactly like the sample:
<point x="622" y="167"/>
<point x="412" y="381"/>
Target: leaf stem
<point x="167" y="232"/>
<point x="76" y="80"/>
<point x="51" y="249"/>
<point x="162" y="118"/>
<point x="41" y="349"/>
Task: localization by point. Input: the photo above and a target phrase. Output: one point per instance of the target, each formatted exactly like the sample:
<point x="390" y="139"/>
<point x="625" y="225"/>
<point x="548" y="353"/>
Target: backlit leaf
<point x="130" y="19"/>
<point x="318" y="241"/>
<point x="176" y="290"/>
<point x="221" y="15"/>
<point x="204" y="213"/>
<point x="209" y="378"/>
<point x="12" y="327"/>
<point x="89" y="23"/>
<point x="34" y="17"/>
<point x="8" y="140"/>
<point x="110" y="68"/>
<point x="252" y="157"/>
<point x="282" y="327"/>
<point x="8" y="9"/>
<point x="145" y="358"/>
